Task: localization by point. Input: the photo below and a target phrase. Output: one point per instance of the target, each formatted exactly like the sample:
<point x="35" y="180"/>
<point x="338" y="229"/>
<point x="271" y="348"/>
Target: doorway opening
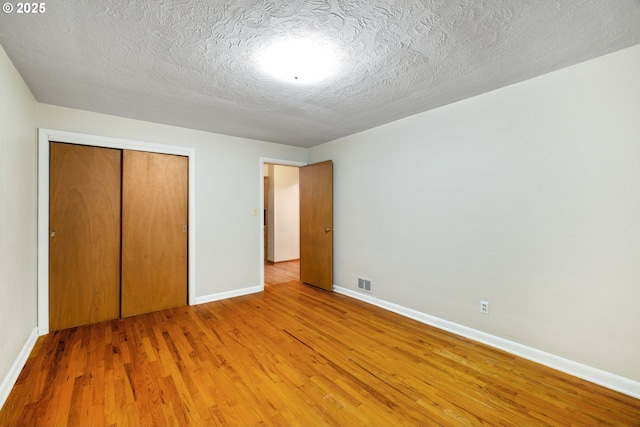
<point x="280" y="225"/>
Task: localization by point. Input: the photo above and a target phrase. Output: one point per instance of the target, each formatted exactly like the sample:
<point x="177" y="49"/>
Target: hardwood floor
<point x="281" y="272"/>
<point x="292" y="355"/>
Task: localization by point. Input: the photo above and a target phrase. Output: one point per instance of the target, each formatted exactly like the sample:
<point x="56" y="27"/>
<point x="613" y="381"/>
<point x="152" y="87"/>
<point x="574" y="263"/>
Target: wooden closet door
<point x="154" y="235"/>
<point x="84" y="243"/>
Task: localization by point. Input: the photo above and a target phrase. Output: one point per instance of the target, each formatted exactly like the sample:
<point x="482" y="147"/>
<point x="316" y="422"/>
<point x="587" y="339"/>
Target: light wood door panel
<point x="84" y="244"/>
<point x="154" y="243"/>
<point x="316" y="225"/>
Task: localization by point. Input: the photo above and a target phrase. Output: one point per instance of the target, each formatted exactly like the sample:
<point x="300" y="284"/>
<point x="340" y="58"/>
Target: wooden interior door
<point x="316" y="225"/>
<point x="154" y="234"/>
<point x="84" y="244"/>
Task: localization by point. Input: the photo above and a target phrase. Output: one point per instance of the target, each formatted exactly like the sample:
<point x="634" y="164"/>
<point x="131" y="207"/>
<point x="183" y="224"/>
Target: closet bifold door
<point x="154" y="232"/>
<point x="84" y="235"/>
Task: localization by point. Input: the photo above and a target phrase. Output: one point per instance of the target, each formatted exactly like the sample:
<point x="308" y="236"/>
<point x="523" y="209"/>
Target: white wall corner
<point x="12" y="376"/>
<point x="588" y="373"/>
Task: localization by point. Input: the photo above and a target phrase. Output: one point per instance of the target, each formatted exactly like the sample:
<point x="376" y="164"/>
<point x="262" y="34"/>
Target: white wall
<point x="527" y="197"/>
<point x="228" y="181"/>
<point x="284" y="209"/>
<point x="17" y="221"/>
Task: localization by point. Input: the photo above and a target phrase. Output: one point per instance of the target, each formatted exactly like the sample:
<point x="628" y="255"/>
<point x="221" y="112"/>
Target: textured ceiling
<point x="193" y="63"/>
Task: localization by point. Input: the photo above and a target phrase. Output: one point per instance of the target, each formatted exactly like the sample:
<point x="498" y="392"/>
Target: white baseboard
<point x="229" y="294"/>
<point x="597" y="376"/>
<point x="13" y="374"/>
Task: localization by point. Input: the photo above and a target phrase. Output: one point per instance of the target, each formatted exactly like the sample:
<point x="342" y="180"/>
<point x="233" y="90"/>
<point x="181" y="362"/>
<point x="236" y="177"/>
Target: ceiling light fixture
<point x="299" y="61"/>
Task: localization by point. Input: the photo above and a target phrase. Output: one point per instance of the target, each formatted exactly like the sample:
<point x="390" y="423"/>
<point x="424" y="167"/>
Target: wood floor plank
<point x="293" y="355"/>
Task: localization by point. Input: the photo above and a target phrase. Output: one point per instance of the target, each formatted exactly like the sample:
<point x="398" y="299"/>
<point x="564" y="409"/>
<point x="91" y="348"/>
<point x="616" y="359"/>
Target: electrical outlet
<point x="484" y="307"/>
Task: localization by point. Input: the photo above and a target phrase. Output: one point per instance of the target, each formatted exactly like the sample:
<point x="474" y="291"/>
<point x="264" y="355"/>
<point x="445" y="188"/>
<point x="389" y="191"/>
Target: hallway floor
<point x="281" y="272"/>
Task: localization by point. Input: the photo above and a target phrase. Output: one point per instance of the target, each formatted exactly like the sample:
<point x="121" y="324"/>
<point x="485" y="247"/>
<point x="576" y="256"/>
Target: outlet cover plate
<point x="484" y="307"/>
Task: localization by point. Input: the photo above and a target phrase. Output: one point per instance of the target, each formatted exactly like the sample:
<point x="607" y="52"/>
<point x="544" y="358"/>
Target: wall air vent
<point x="364" y="284"/>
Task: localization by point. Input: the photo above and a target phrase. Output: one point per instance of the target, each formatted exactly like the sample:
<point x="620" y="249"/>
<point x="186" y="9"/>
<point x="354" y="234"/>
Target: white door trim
<point x="44" y="138"/>
<point x="270" y="161"/>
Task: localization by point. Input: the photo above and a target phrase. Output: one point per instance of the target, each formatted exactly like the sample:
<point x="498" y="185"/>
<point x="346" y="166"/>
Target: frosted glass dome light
<point x="301" y="61"/>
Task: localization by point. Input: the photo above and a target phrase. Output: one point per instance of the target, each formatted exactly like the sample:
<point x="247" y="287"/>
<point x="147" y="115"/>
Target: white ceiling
<point x="192" y="63"/>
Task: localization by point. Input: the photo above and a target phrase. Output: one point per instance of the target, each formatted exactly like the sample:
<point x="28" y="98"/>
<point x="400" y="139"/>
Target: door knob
<point x="53" y="233"/>
<point x="328" y="230"/>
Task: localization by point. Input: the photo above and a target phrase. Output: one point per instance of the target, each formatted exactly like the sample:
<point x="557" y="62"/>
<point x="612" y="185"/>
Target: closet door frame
<point x="45" y="136"/>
